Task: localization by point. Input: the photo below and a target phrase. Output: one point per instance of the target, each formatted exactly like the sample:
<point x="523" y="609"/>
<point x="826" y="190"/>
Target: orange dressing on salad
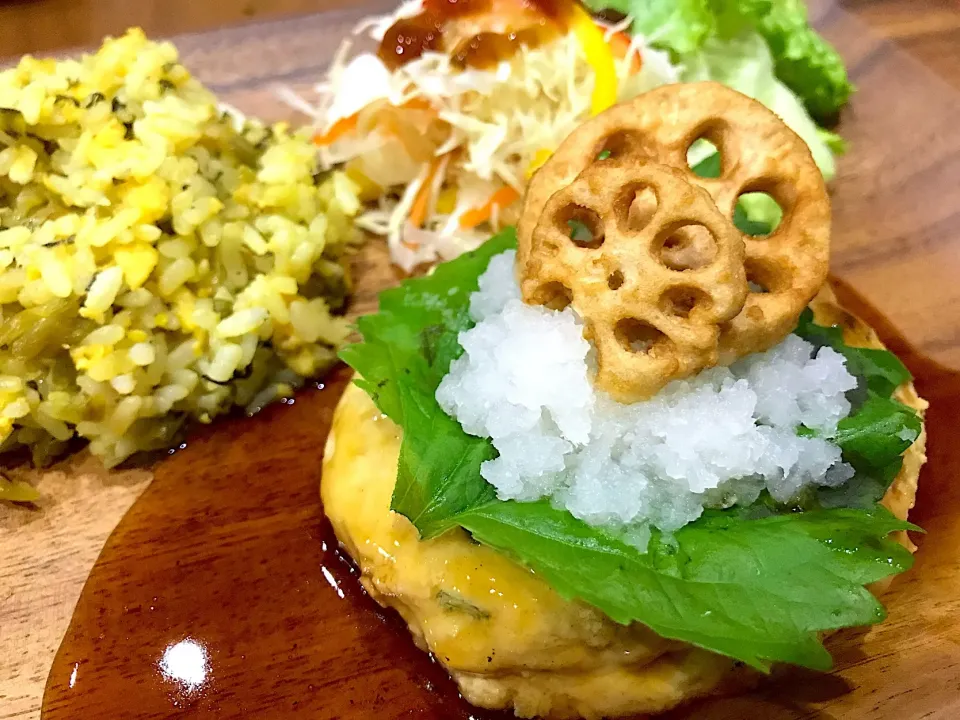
<point x="465" y="28"/>
<point x="408" y="38"/>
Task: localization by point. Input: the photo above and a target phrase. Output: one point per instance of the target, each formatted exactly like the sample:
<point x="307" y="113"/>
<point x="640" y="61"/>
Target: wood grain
<point x="897" y="242"/>
<point x="928" y="29"/>
<point x="48" y="25"/>
<point x="45" y="557"/>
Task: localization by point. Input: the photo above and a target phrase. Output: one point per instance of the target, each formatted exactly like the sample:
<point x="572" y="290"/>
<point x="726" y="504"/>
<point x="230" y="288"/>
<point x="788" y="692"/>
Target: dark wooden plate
<point x="221" y="593"/>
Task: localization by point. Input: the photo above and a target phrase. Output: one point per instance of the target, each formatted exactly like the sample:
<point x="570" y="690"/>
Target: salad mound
<point x="444" y="125"/>
<point x="758" y="582"/>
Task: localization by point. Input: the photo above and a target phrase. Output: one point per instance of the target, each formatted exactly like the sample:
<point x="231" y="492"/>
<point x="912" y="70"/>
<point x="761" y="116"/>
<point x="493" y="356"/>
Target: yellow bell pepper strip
<point x="599" y="57"/>
<point x="539" y="159"/>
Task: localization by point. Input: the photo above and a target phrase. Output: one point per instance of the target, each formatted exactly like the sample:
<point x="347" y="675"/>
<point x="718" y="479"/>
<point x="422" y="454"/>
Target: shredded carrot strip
<point x="340" y="128"/>
<point x="620" y="45"/>
<point x="348" y="124"/>
<point x="417" y="104"/>
<point x="504" y="197"/>
<point x="421" y="202"/>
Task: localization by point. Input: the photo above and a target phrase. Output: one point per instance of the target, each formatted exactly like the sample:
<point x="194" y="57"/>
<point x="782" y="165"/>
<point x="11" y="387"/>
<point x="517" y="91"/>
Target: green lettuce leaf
<point x="806" y="63"/>
<point x="837" y="144"/>
<point x="745" y="64"/>
<point x="755" y="213"/>
<point x="756" y="584"/>
<point x="803" y="61"/>
<point x="709" y="167"/>
<point x="681" y="26"/>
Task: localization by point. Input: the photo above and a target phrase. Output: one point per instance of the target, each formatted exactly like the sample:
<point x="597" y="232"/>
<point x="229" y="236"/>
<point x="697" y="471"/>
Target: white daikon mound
<point x="712" y="441"/>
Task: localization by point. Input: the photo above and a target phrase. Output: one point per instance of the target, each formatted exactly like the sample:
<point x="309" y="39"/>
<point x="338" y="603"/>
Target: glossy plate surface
<point x="221" y="593"/>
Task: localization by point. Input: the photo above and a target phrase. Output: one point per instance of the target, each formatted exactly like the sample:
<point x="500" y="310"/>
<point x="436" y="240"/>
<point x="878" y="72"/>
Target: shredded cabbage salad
<point x="444" y="153"/>
<point x="441" y="152"/>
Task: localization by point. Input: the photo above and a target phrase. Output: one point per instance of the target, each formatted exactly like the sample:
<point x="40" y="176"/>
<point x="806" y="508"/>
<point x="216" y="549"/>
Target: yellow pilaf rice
<point x="156" y="262"/>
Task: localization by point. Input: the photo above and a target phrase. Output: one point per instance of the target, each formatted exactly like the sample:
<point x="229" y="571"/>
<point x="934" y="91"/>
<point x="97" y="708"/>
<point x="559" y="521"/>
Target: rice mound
<point x="714" y="440"/>
<point x="159" y="259"/>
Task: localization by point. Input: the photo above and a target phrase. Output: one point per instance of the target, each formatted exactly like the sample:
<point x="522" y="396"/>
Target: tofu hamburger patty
<point x="507" y="638"/>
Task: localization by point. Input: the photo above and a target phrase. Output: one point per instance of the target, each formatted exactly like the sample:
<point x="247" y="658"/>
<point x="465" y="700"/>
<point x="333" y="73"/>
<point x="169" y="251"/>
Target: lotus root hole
<point x="684" y="302"/>
<point x="621" y="144"/>
<point x="636" y="206"/>
<point x="704" y="159"/>
<point x="706" y="153"/>
<point x="763" y="277"/>
<point x="637" y="336"/>
<point x="758" y="214"/>
<point x="688" y="247"/>
<point x="615" y="280"/>
<point x="554" y="295"/>
<point x="582" y="225"/>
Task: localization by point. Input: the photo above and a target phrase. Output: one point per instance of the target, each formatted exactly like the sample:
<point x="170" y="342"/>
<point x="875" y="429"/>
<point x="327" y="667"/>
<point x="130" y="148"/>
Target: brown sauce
<point x="222" y="594"/>
<point x="409" y="38"/>
<point x="456" y="26"/>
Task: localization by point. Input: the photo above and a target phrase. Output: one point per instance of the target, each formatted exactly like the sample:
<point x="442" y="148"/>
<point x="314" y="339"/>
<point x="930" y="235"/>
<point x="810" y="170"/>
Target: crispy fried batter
<point x="644" y="267"/>
<point x="659" y="286"/>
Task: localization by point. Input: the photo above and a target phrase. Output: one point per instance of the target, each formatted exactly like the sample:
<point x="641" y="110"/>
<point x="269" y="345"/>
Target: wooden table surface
<point x="903" y="256"/>
<point x="34" y="26"/>
<point x="929" y="29"/>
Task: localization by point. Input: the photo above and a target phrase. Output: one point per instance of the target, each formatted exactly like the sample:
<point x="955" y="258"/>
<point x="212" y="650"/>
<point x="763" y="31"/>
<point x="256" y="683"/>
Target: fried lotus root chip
<point x="653" y="267"/>
<point x="758" y="152"/>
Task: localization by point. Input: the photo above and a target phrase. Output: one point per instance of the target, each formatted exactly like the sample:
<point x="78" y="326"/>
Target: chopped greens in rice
<point x="157" y="262"/>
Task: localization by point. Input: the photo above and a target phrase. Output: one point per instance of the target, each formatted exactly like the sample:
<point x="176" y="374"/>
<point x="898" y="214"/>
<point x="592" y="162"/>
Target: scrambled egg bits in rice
<point x="156" y="262"/>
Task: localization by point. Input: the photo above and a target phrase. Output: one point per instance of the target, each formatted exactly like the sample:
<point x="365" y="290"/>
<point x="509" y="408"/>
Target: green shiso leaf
<point x="874" y="437"/>
<point x="757" y="584"/>
<point x="882" y="370"/>
<point x="756" y="590"/>
<point x="407" y="348"/>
